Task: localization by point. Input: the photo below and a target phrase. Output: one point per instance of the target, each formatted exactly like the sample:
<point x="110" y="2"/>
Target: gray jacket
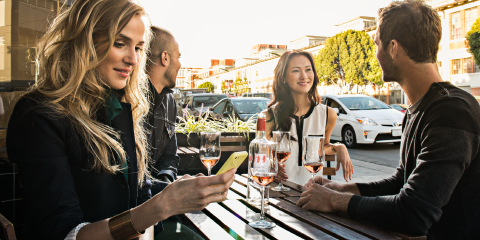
<point x="435" y="189"/>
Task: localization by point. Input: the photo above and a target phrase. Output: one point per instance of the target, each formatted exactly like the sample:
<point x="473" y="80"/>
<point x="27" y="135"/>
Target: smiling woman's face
<point x="299" y="74"/>
<point x="124" y="55"/>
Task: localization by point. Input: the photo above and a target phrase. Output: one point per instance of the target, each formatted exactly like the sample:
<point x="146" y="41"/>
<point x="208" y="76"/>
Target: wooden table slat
<point x="300" y="228"/>
<point x="205" y="225"/>
<point x="363" y="228"/>
<point x="248" y="215"/>
<point x="233" y="148"/>
<point x="179" y="152"/>
<point x="233" y="139"/>
<point x="321" y="222"/>
<point x="291" y="193"/>
<point x="236" y="225"/>
<point x="330" y="158"/>
<point x="186" y="150"/>
<point x="329" y="171"/>
<point x="193" y="149"/>
<point x="233" y="195"/>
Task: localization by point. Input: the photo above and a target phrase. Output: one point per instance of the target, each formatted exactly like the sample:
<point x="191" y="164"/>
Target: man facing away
<point x="434" y="191"/>
<point x="162" y="68"/>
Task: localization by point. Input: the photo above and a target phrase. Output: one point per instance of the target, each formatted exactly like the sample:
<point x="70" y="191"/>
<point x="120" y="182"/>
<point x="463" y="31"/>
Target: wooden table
<point x="229" y="219"/>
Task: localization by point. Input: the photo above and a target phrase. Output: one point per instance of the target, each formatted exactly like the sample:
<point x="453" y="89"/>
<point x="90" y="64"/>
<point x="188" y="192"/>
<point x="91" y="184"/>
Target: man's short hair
<point x="415" y="25"/>
<point x="162" y="41"/>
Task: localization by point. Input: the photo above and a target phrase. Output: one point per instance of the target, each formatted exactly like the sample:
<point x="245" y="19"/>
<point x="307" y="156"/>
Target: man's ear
<point x="393" y="48"/>
<point x="164" y="59"/>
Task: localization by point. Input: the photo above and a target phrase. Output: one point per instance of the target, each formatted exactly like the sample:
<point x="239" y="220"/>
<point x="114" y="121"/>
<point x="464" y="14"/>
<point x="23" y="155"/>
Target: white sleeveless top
<point x="314" y="123"/>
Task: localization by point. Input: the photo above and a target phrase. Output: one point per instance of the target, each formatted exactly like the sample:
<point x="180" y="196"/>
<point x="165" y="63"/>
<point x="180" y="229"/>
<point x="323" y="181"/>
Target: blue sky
<point x="218" y="29"/>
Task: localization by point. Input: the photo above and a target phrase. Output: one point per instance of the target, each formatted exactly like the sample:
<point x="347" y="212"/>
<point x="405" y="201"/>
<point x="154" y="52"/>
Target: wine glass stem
<point x="209" y="171"/>
<point x="313" y="177"/>
<point x="280" y="185"/>
<point x="262" y="213"/>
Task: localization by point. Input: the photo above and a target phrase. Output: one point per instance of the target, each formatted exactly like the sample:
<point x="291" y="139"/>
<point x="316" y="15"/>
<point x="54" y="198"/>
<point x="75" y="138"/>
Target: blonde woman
<point x="78" y="137"/>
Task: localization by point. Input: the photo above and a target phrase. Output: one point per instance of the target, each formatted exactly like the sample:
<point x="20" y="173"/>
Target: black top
<point x="55" y="169"/>
<point x="435" y="189"/>
<point x="162" y="116"/>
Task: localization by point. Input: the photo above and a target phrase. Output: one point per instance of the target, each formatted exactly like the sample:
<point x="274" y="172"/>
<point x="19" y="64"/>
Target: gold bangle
<point x="121" y="227"/>
<point x="333" y="148"/>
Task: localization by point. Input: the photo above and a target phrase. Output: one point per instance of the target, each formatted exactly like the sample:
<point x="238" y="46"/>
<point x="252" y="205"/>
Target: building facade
<point x="455" y="62"/>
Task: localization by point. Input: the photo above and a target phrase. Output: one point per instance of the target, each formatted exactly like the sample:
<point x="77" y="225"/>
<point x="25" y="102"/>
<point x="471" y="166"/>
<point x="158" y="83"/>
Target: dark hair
<point x="415" y="25"/>
<point x="162" y="41"/>
<point x="282" y="95"/>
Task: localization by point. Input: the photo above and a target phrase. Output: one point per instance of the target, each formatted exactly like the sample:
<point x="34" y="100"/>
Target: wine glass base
<point x="262" y="224"/>
<point x="280" y="189"/>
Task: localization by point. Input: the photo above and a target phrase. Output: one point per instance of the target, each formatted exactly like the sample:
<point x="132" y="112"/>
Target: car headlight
<point x="366" y="121"/>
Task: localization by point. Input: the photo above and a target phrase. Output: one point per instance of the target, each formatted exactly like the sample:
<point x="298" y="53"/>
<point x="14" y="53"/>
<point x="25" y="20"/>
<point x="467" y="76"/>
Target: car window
<point x="219" y="108"/>
<point x="250" y="106"/>
<point x="334" y="104"/>
<point x="229" y="108"/>
<point x="363" y="103"/>
<point x="207" y="101"/>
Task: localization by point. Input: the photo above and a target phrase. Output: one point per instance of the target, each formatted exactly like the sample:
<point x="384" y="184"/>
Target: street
<point x="385" y="154"/>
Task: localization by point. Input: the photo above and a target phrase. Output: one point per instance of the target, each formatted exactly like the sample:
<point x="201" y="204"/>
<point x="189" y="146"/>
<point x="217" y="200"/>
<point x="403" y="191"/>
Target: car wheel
<point x="349" y="137"/>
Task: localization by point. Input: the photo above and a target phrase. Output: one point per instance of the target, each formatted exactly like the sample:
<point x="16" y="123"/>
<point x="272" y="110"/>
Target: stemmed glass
<point x="282" y="138"/>
<point x="209" y="149"/>
<point x="263" y="169"/>
<point x="313" y="154"/>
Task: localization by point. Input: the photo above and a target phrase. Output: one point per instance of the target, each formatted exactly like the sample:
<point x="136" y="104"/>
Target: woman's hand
<point x="282" y="173"/>
<point x="343" y="158"/>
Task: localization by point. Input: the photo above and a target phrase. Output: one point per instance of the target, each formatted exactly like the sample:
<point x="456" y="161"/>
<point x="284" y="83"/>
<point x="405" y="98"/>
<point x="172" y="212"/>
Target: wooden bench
<point x="7" y="231"/>
<point x="229" y="219"/>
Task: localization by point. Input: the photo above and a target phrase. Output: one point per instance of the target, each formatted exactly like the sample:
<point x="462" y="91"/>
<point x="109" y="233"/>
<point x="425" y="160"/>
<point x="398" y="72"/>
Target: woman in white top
<point x="296" y="108"/>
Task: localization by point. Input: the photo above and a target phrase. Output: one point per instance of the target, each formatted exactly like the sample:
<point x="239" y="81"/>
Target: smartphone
<point x="234" y="161"/>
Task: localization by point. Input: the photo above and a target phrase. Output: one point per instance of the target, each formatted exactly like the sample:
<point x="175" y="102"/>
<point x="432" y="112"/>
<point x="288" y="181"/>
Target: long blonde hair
<point x="66" y="62"/>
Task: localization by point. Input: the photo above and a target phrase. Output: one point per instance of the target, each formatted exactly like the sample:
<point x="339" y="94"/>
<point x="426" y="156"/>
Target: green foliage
<point x="348" y="58"/>
<point x="473" y="37"/>
<point x="194" y="124"/>
<point x="240" y="85"/>
<point x="207" y="85"/>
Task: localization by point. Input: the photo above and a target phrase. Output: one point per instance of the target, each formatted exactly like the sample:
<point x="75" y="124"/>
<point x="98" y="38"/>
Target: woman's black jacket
<point x="55" y="170"/>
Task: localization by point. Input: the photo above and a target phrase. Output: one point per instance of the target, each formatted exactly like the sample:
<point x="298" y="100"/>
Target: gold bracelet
<point x="121" y="227"/>
<point x="333" y="148"/>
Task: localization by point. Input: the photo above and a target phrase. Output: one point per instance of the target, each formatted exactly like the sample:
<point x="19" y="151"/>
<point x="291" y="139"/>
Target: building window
<point x="368" y="24"/>
<point x="471" y="15"/>
<point x="467" y="65"/>
<point x="455" y="66"/>
<point x="2" y="52"/>
<point x="456" y="28"/>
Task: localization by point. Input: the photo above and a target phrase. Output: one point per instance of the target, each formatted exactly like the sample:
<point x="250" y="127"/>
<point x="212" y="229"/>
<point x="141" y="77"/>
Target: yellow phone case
<point x="234" y="161"/>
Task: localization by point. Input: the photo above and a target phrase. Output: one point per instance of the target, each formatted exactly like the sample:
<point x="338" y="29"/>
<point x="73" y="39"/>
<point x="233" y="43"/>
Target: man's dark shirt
<point x="163" y="112"/>
<point x="435" y="189"/>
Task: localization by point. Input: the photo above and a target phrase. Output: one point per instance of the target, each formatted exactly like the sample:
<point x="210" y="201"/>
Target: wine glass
<point x="209" y="149"/>
<point x="264" y="167"/>
<point x="282" y="138"/>
<point x="313" y="154"/>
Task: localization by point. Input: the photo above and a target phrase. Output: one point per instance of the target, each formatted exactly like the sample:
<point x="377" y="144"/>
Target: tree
<point x="240" y="86"/>
<point x="473" y="37"/>
<point x="207" y="85"/>
<point x="348" y="58"/>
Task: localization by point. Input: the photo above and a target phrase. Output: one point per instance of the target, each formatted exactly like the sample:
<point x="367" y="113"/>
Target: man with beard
<point x="434" y="191"/>
<point x="162" y="68"/>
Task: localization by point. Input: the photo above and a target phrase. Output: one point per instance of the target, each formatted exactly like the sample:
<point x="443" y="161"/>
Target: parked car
<point x="400" y="107"/>
<point x="194" y="102"/>
<point x="241" y="107"/>
<point x="265" y="95"/>
<point x="363" y="119"/>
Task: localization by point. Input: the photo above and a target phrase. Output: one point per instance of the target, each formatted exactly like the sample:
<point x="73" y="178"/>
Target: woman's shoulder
<point x="31" y="107"/>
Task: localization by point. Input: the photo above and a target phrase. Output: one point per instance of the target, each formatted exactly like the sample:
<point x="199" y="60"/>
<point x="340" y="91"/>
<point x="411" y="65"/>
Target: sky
<point x="226" y="29"/>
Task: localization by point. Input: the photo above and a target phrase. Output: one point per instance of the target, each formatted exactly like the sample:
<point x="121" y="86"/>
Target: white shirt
<point x="314" y="123"/>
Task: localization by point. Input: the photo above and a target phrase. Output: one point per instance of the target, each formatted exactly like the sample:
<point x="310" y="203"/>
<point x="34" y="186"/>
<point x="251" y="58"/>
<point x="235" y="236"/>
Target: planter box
<point x="229" y="143"/>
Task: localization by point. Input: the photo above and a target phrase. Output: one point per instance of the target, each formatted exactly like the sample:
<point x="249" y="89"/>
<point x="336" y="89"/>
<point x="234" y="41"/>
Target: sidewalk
<point x="364" y="172"/>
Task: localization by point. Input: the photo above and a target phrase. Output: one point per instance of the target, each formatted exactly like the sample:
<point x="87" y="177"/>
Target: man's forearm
<point x="340" y="202"/>
<point x="350" y="188"/>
